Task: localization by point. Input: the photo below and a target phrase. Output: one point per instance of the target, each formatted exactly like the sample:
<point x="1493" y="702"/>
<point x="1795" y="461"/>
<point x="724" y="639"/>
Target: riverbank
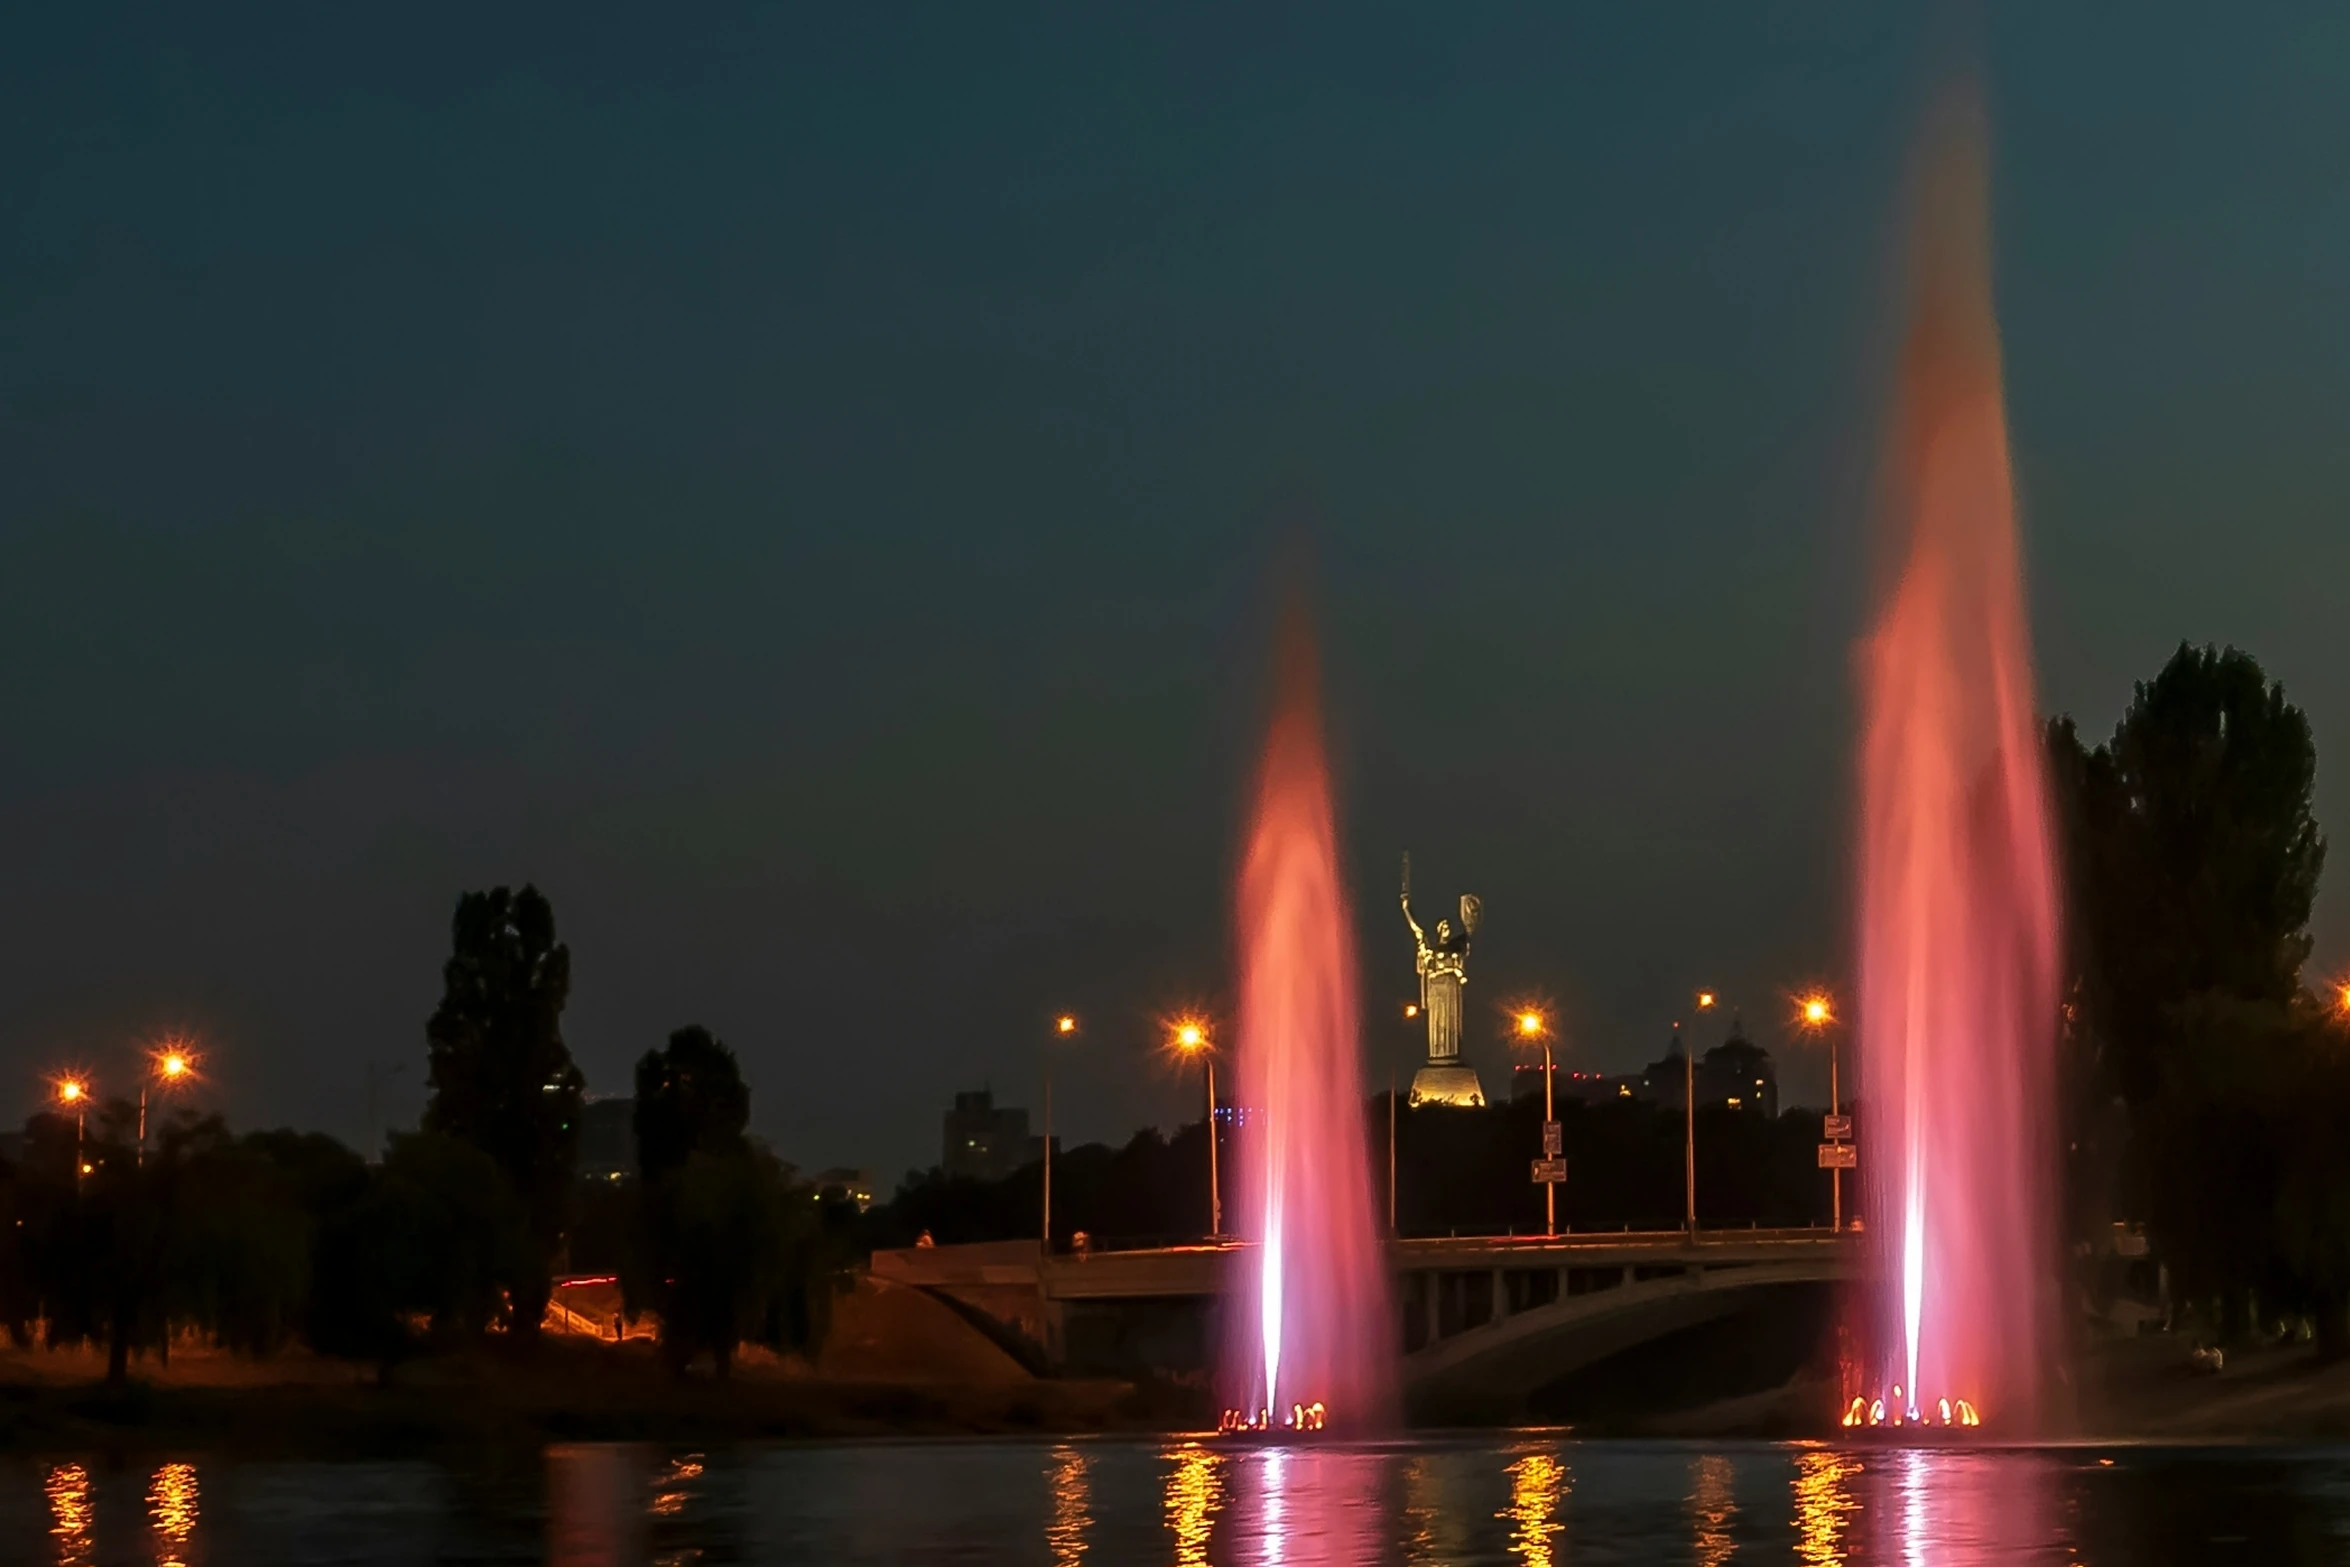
<point x="896" y="1363"/>
<point x="2129" y="1390"/>
<point x="556" y="1391"/>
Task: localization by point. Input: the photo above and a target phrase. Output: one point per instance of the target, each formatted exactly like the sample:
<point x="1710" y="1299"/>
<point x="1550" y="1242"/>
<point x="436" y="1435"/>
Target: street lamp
<point x="1706" y="1001"/>
<point x="1190" y="1037"/>
<point x="73" y="1091"/>
<point x="1064" y="1027"/>
<point x="1532" y="1026"/>
<point x="168" y="1067"/>
<point x="1818" y="1016"/>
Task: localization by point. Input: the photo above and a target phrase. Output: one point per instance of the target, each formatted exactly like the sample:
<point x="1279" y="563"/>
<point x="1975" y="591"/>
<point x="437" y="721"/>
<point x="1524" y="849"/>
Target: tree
<point x="698" y="1177"/>
<point x="502" y="1080"/>
<point x="433" y="1240"/>
<point x="690" y="1098"/>
<point x="2194" y="1058"/>
<point x="2192" y="854"/>
<point x="728" y="1237"/>
<point x="112" y="1260"/>
<point x="241" y="1264"/>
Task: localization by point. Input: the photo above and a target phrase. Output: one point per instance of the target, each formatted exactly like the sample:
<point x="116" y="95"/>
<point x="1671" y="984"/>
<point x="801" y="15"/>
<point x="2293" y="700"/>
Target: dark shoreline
<point x="503" y="1398"/>
<point x="2137" y="1394"/>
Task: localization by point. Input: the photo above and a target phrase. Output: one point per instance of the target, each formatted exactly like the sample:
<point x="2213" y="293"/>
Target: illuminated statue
<point x="1444" y="971"/>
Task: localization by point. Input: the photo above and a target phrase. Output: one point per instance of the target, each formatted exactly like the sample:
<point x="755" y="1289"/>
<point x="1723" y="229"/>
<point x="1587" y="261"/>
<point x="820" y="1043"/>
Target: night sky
<point x="810" y="488"/>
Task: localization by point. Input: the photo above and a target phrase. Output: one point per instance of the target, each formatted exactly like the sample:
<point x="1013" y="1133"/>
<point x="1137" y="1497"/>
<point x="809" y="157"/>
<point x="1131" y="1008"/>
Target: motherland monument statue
<point x="1443" y="964"/>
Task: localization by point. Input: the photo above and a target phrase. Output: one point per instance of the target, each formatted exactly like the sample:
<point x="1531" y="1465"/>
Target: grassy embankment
<point x="896" y="1363"/>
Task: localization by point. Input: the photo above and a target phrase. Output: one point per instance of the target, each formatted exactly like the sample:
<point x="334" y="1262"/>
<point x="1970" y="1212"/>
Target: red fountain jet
<point x="1958" y="924"/>
<point x="1309" y="1332"/>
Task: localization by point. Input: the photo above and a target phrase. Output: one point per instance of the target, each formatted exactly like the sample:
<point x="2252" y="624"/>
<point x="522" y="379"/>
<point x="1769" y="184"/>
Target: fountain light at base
<point x="1957" y="905"/>
<point x="1308" y="1331"/>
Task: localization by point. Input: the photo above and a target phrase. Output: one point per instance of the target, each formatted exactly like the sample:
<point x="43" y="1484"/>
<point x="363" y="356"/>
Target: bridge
<point x="1483" y="1320"/>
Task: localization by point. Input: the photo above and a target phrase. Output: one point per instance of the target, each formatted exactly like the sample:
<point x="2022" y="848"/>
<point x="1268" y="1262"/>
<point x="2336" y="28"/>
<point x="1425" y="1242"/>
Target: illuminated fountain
<point x="1308" y="1336"/>
<point x="1958" y="903"/>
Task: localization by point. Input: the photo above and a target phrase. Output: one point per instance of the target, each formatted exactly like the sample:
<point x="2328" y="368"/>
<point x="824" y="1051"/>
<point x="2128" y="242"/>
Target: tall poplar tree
<point x="502" y="1079"/>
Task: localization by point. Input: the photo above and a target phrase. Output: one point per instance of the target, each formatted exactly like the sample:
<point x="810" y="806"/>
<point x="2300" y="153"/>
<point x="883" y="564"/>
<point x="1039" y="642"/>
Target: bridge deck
<point x="1206" y="1269"/>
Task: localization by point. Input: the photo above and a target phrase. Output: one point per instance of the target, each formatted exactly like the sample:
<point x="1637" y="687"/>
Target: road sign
<point x="1838" y="1156"/>
<point x="1549" y="1172"/>
<point x="1837" y="1128"/>
<point x="1552" y="1143"/>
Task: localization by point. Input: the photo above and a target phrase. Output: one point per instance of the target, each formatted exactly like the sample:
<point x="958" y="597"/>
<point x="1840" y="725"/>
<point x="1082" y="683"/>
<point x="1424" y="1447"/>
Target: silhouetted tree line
<point x="715" y="1237"/>
<point x="2206" y="1086"/>
<point x="275" y="1238"/>
<point x="1457" y="1170"/>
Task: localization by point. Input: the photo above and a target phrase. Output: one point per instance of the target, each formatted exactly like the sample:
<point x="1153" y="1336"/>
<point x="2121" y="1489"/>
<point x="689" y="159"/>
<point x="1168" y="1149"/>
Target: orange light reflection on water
<point x="1824" y="1506"/>
<point x="172" y="1507"/>
<point x="67" y="1487"/>
<point x="1195" y="1493"/>
<point x="1711" y="1509"/>
<point x="1072" y="1508"/>
<point x="1538" y="1481"/>
<point x="674" y="1489"/>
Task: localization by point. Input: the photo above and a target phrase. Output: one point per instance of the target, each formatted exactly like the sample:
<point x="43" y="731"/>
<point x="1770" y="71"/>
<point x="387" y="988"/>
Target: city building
<point x="1736" y="1074"/>
<point x="607" y="1139"/>
<point x="985" y="1142"/>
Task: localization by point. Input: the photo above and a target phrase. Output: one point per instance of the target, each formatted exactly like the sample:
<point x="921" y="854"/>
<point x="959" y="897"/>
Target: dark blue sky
<point x="806" y="487"/>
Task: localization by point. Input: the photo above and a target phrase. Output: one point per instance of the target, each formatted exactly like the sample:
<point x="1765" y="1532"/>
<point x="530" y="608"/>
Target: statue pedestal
<point x="1450" y="1084"/>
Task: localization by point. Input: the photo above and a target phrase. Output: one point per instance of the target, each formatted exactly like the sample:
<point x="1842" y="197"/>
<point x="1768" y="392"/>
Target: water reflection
<point x="1311" y="1506"/>
<point x="592" y="1514"/>
<point x="1537" y="1481"/>
<point x="1457" y="1501"/>
<point x="675" y="1489"/>
<point x="1195" y="1493"/>
<point x="1712" y="1507"/>
<point x="1072" y="1496"/>
<point x="171" y="1508"/>
<point x="1956" y="1507"/>
<point x="67" y="1487"/>
<point x="1823" y="1505"/>
<point x="1422" y="1513"/>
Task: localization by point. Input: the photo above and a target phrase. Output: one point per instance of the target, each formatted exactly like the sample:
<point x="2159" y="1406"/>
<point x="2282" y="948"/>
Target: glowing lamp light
<point x="70" y="1092"/>
<point x="1816" y="1012"/>
<point x="1411" y="1009"/>
<point x="173" y="1065"/>
<point x="1529" y="1025"/>
<point x="1705" y="1000"/>
<point x="1190" y="1036"/>
<point x="1064" y="1024"/>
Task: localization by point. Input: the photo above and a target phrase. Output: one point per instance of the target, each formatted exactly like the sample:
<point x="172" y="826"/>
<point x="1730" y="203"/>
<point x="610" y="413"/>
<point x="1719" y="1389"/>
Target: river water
<point x="1526" y="1498"/>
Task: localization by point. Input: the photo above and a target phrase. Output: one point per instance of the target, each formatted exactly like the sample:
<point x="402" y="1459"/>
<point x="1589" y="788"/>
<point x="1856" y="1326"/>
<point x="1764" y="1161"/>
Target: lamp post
<point x="1532" y="1025"/>
<point x="73" y="1091"/>
<point x="1190" y="1036"/>
<point x="169" y="1067"/>
<point x="1818" y="1016"/>
<point x="1064" y="1027"/>
<point x="1706" y="1000"/>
